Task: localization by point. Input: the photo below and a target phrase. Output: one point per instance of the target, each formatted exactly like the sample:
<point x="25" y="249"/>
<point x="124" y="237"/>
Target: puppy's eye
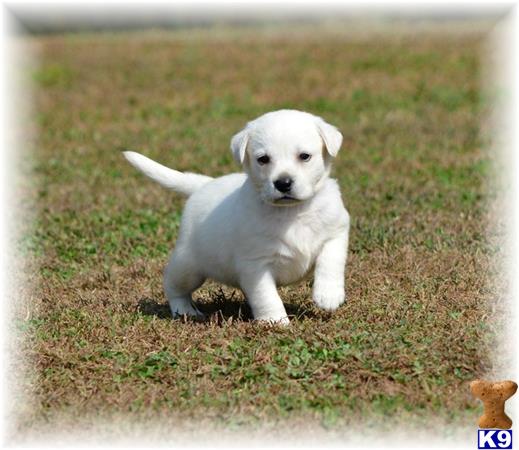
<point x="304" y="156"/>
<point x="263" y="160"/>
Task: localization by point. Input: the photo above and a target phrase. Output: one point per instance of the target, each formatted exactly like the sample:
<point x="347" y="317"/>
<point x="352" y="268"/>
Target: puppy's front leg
<point x="259" y="287"/>
<point x="328" y="291"/>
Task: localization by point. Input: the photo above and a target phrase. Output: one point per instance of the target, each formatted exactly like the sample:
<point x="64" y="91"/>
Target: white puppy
<point x="266" y="227"/>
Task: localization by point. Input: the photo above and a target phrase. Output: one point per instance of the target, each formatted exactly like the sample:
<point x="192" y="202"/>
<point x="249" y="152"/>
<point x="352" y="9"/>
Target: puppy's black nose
<point x="283" y="184"/>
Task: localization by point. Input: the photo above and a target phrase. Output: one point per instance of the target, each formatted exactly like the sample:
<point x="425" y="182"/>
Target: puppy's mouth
<point x="286" y="200"/>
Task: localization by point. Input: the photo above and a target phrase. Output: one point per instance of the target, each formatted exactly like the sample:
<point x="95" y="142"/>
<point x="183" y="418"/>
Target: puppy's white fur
<point x="241" y="230"/>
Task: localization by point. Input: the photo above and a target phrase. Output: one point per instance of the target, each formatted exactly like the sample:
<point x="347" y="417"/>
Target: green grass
<point x="414" y="173"/>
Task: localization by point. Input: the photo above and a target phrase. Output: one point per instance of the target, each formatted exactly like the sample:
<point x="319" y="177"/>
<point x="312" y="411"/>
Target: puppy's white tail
<point x="184" y="182"/>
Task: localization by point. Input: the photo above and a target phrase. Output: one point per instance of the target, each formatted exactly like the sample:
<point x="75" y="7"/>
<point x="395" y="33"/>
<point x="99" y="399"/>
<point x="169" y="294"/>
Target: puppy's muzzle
<point x="283" y="185"/>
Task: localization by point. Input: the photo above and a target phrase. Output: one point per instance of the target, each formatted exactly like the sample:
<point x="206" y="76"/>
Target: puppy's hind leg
<point x="180" y="280"/>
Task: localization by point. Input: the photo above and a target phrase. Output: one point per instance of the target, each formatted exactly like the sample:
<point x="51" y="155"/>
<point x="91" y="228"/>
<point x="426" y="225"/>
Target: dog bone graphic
<point x="493" y="396"/>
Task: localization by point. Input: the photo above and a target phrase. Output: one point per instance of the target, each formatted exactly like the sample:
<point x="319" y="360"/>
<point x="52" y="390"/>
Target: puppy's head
<point x="287" y="154"/>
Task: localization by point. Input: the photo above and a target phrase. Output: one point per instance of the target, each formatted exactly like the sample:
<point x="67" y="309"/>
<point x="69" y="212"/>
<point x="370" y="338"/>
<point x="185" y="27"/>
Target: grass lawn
<point x="414" y="172"/>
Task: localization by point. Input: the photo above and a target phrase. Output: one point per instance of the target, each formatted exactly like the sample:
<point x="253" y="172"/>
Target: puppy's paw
<point x="274" y="317"/>
<point x="282" y="321"/>
<point x="328" y="297"/>
<point x="184" y="307"/>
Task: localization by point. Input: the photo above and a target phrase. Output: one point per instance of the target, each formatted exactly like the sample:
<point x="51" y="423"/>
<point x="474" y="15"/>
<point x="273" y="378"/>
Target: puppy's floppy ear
<point x="239" y="144"/>
<point x="331" y="136"/>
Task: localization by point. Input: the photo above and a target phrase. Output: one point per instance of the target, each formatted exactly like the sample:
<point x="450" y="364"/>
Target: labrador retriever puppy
<point x="268" y="226"/>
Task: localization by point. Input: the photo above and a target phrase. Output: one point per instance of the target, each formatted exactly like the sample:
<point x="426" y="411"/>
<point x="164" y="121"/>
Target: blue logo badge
<point x="495" y="439"/>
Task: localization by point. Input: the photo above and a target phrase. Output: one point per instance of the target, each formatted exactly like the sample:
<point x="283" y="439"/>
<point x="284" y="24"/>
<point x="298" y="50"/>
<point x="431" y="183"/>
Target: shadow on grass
<point x="151" y="307"/>
<point x="220" y="307"/>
